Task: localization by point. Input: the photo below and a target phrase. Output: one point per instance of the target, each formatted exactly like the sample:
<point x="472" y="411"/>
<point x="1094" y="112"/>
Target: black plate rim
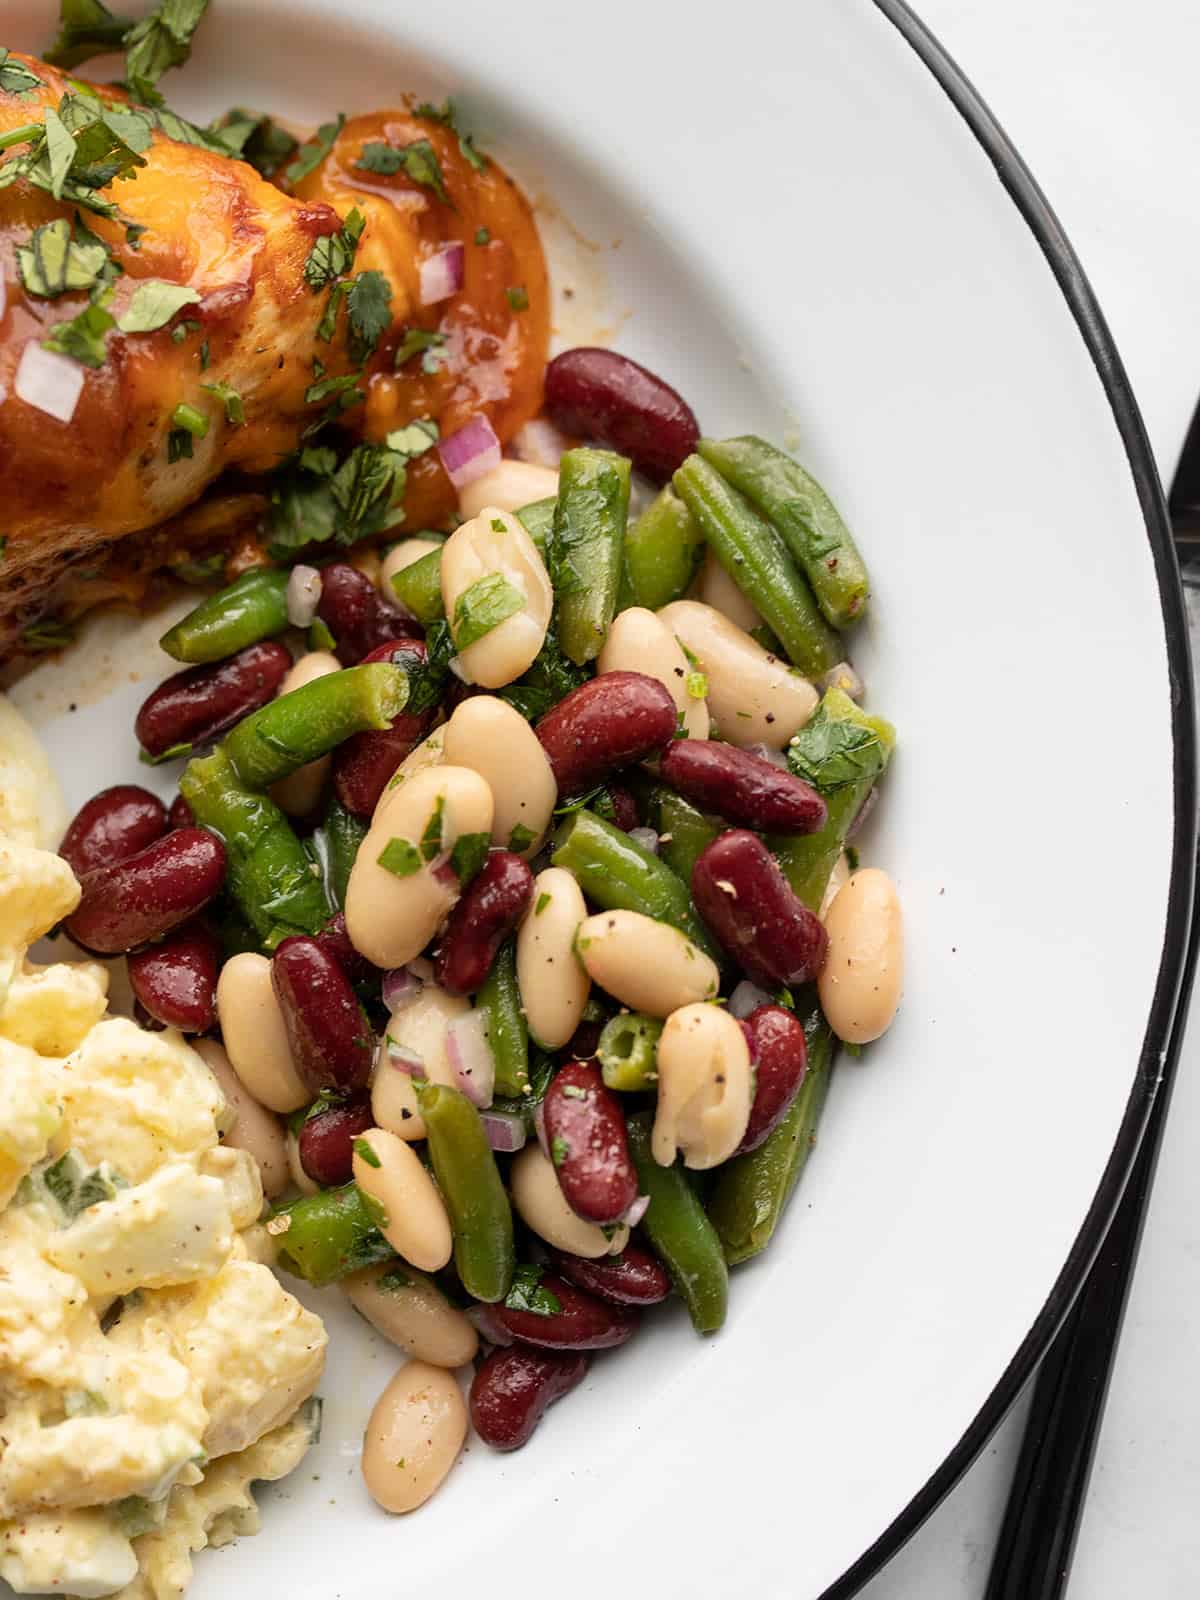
<point x="1038" y="214"/>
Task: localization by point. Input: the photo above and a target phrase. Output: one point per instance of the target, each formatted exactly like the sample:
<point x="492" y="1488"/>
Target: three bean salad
<point x="509" y="891"/>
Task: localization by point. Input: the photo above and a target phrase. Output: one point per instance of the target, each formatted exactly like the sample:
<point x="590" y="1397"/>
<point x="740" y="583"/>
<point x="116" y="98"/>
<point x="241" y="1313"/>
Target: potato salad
<point x="151" y="1368"/>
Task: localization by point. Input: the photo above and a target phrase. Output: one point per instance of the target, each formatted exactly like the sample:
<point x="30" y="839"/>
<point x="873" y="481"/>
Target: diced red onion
<point x="844" y="677"/>
<point x="421" y="967"/>
<point x="864" y="811"/>
<point x="539" y="1127"/>
<point x="399" y="988"/>
<point x="505" y="1131"/>
<point x="471" y="1059"/>
<point x="777" y="758"/>
<point x="303" y="595"/>
<point x="747" y="997"/>
<point x="49" y="382"/>
<point x="471" y="451"/>
<point x="405" y="1060"/>
<point x="646" y="837"/>
<point x="541" y="442"/>
<point x="636" y="1211"/>
<point x="441" y="274"/>
<point x="488" y="1325"/>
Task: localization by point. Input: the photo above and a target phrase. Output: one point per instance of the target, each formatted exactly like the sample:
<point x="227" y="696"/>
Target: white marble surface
<point x="1101" y="98"/>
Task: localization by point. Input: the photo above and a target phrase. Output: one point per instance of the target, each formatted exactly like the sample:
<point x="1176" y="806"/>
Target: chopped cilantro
<point x="414" y="439"/>
<point x="831" y="753"/>
<point x="400" y="858"/>
<point x="333" y="254"/>
<point x="181" y="330"/>
<point x="368" y="304"/>
<point x="447" y="116"/>
<point x="364" y="1153"/>
<point x="543" y="900"/>
<point x="517" y="297"/>
<point x="418" y="162"/>
<point x="153" y="305"/>
<point x="85" y="29"/>
<point x="158" y="42"/>
<point x="427" y="344"/>
<point x="520" y="838"/>
<point x="527" y="1294"/>
<point x="60" y="259"/>
<point x="15" y="77"/>
<point x="314" y="152"/>
<point x="47" y="635"/>
<point x="488" y="602"/>
<point x="852" y="856"/>
<point x="483" y="236"/>
<point x="393" y="1280"/>
<point x="431" y="839"/>
<point x="559" y="1150"/>
<point x="697" y="685"/>
<point x="82" y="338"/>
<point x="468" y="855"/>
<point x="256" y="139"/>
<point x="73" y="1186"/>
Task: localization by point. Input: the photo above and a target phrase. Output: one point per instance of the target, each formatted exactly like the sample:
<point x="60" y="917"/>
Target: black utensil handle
<point x="1041" y="1519"/>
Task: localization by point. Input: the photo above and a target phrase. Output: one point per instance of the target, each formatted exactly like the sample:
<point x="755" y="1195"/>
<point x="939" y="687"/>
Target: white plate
<point x="808" y="235"/>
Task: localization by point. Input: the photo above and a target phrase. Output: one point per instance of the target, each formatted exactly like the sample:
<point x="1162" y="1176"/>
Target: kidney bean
<point x="335" y="938"/>
<point x="144" y="1020"/>
<point x="779" y="1053"/>
<point x="328" y="1033"/>
<point x="363" y="764"/>
<point x="605" y="723"/>
<point x="741" y="787"/>
<point x="113" y="825"/>
<point x="585" y="1129"/>
<point x="490" y="908"/>
<point x="634" y="1278"/>
<point x="624" y="807"/>
<point x="513" y="1388"/>
<point x="745" y="899"/>
<point x="180" y="815"/>
<point x="580" y="1323"/>
<point x="198" y="704"/>
<point x="148" y="894"/>
<point x="351" y="608"/>
<point x="326" y="1142"/>
<point x="176" y="980"/>
<point x="598" y="394"/>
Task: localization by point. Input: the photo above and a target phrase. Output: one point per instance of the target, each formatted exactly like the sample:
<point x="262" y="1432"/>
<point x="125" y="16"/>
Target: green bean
<point x="806" y="518"/>
<point x="330" y="1234"/>
<point x="680" y="1232"/>
<point x="752" y="554"/>
<point x="253" y="608"/>
<point x="752" y="1190"/>
<point x="344" y="832"/>
<point x="683" y="832"/>
<point x="585" y="547"/>
<point x="268" y="873"/>
<point x="841" y="751"/>
<point x="508" y="1034"/>
<point x="628" y="1052"/>
<point x="661" y="555"/>
<point x="538" y="521"/>
<point x="476" y="1201"/>
<point x="614" y="871"/>
<point x="297" y="728"/>
<point x="418" y="588"/>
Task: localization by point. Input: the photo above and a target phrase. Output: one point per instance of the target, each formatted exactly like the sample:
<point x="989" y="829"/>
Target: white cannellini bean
<point x="754" y="697"/>
<point x="391" y="918"/>
<point x="295" y="1169"/>
<point x="413" y="1436"/>
<point x="714" y="587"/>
<point x="705" y="1087"/>
<point x="542" y="1206"/>
<point x="254" y="1129"/>
<point x="859" y="985"/>
<point x="510" y="486"/>
<point x="421" y="1027"/>
<point x="403" y="555"/>
<point x="494" y="740"/>
<point x="299" y="792"/>
<point x="255" y="1037"/>
<point x="495" y="544"/>
<point x="638" y="642"/>
<point x="405" y="1307"/>
<point x="414" y="1222"/>
<point x="646" y="965"/>
<point x="552" y="981"/>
